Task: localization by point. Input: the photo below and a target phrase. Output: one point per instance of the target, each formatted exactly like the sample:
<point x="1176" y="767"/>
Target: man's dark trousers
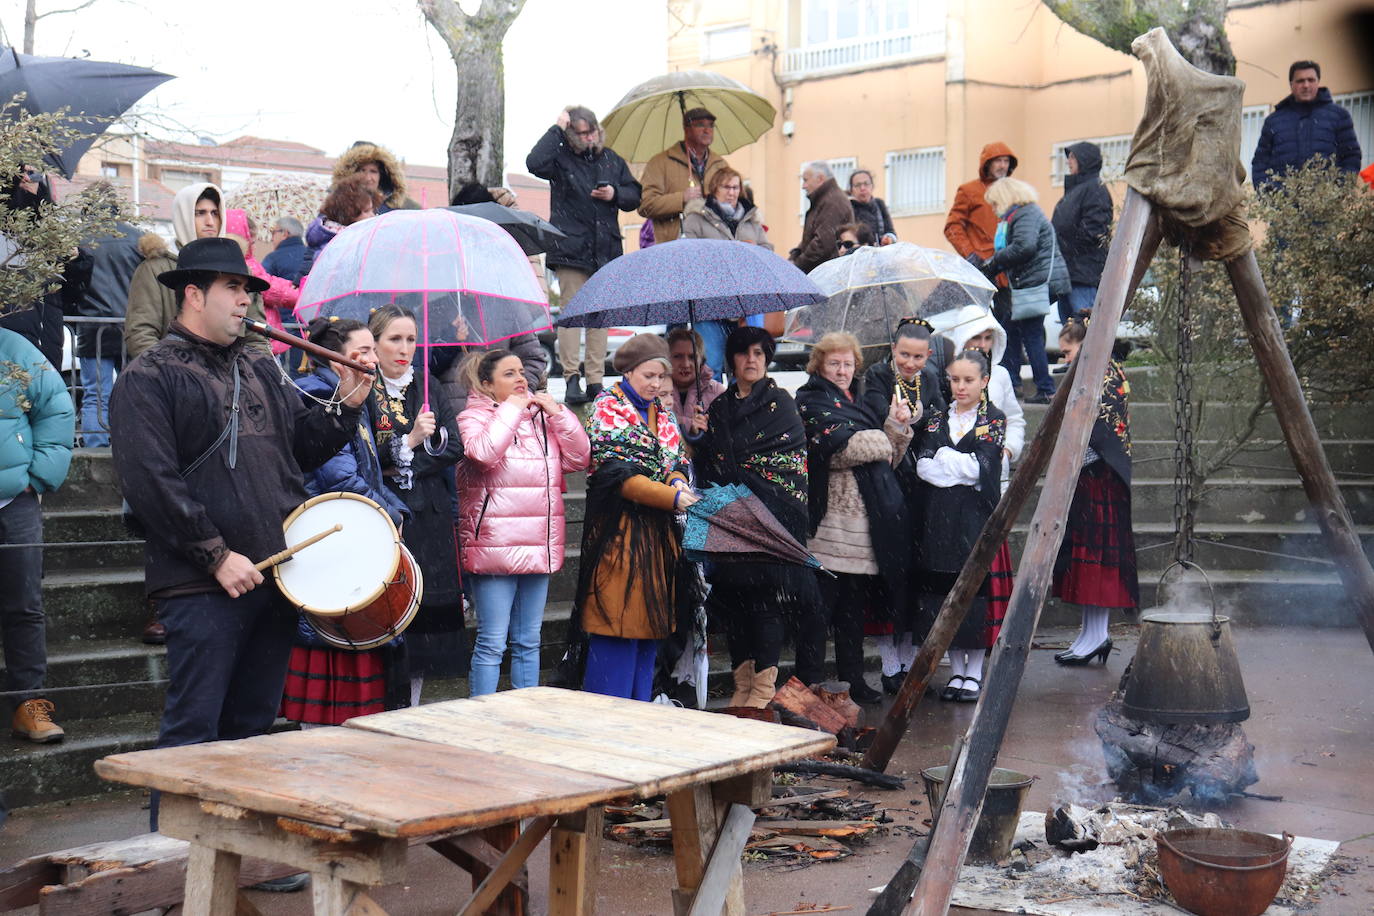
<point x="22" y="627"/>
<point x="226" y="665"/>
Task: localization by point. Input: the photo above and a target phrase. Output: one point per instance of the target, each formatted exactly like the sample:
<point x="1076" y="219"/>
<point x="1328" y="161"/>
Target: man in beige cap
<point x="680" y="173"/>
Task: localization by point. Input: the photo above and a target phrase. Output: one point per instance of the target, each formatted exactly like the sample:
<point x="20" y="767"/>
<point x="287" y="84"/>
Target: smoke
<point x="1084" y="781"/>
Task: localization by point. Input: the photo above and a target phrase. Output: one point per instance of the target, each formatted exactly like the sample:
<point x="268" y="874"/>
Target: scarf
<point x="620" y="433"/>
<point x="832" y="418"/>
<point x="731" y="216"/>
<point x="1111" y="435"/>
<point x="758" y="441"/>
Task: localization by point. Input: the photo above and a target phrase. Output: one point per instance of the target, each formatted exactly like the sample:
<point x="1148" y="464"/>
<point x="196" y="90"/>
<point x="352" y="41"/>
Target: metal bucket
<point x="1185" y="669"/>
<point x="1220" y="872"/>
<point x="996" y="825"/>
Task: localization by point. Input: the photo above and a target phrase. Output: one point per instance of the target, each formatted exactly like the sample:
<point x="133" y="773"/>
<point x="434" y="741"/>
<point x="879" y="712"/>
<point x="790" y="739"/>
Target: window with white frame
<point x="725" y="43"/>
<point x="915" y="181"/>
<point x="1114" y="153"/>
<point x="1251" y="122"/>
<point x="842" y="34"/>
<point x="840" y="168"/>
<point x="1361" y="108"/>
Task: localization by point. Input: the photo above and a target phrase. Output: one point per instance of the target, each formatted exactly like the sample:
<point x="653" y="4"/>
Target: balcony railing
<point x="871" y="50"/>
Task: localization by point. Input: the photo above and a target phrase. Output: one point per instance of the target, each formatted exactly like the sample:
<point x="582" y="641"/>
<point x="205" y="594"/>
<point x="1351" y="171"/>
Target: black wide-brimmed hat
<point x="221" y="256"/>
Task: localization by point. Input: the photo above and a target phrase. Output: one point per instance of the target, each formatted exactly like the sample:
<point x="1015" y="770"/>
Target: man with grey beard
<point x="588" y="184"/>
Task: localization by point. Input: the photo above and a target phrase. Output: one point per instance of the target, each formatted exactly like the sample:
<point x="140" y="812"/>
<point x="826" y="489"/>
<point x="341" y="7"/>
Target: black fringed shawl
<point x="955" y="515"/>
<point x="1111" y="435"/>
<point x="831" y="418"/>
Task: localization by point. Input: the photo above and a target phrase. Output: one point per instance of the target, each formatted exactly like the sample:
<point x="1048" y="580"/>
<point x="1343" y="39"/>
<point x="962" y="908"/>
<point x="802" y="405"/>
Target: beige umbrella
<point x="265" y="197"/>
<point x="649" y="118"/>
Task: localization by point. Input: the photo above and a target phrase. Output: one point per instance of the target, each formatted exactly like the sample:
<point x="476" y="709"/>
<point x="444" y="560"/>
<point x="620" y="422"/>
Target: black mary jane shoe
<point x="951" y="692"/>
<point x="1101" y="653"/>
<point x="861" y="693"/>
<point x="969" y="694"/>
<point x="892" y="682"/>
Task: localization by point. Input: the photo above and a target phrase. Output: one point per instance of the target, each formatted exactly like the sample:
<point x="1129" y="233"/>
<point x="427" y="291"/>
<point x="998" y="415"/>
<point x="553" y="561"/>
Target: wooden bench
<point x="126" y="876"/>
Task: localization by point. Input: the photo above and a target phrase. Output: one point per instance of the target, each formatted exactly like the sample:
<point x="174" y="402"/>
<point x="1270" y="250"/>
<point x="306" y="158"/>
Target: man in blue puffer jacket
<point x="1305" y="124"/>
<point x="37" y="426"/>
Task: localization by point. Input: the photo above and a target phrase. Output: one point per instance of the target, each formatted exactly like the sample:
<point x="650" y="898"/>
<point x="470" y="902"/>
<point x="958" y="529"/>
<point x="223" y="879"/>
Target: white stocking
<point x="416" y="685"/>
<point x="956" y="663"/>
<point x="1093" y="630"/>
<point x="906" y="652"/>
<point x="973" y="668"/>
<point x="888" y="653"/>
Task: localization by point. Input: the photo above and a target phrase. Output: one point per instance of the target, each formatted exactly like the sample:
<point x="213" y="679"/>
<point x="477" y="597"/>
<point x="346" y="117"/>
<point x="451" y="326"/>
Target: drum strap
<point x="230" y="432"/>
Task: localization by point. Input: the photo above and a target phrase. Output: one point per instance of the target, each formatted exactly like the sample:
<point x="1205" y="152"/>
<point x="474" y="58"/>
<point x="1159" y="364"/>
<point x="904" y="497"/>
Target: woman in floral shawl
<point x="754" y="437"/>
<point x="633" y="579"/>
<point x="1096" y="568"/>
<point x="960" y="462"/>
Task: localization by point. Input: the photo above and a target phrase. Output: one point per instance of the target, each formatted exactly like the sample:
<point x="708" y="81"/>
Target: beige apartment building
<point x="912" y="89"/>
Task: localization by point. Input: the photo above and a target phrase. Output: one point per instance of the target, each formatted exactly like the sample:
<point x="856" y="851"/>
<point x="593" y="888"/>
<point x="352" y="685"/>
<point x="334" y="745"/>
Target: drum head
<point x="349" y="568"/>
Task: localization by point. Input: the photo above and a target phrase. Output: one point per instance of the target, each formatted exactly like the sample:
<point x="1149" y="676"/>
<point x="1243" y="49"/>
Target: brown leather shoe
<point x="154" y="632"/>
<point x="33" y="721"/>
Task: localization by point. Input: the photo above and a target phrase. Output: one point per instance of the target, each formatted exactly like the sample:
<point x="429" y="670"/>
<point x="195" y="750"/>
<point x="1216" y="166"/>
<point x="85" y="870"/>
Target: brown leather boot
<point x="744" y="683"/>
<point x="764" y="688"/>
<point x="33" y="721"/>
<point x="154" y="632"/>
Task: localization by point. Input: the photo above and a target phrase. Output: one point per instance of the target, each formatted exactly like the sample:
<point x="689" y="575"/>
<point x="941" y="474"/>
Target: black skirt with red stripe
<point x="329" y="686"/>
<point x="1096" y="564"/>
<point x="983" y="623"/>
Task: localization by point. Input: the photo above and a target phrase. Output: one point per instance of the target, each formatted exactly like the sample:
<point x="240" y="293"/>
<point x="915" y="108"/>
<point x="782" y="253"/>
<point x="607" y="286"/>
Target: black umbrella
<point x="533" y="234"/>
<point x="95" y="91"/>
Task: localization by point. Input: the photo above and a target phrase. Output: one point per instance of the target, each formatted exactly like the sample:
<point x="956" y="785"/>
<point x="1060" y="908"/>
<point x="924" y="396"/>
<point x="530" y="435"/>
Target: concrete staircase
<point x="109" y="687"/>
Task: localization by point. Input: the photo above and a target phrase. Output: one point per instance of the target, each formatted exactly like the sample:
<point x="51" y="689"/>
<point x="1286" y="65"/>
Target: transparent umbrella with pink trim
<point x="466" y="279"/>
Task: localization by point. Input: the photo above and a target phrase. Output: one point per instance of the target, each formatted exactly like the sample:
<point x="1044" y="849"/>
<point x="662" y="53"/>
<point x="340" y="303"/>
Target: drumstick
<point x="295" y="548"/>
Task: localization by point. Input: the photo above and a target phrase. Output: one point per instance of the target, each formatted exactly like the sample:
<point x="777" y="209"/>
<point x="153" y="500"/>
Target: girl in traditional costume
<point x="1096" y="567"/>
<point x="960" y="464"/>
<point x="907" y="375"/>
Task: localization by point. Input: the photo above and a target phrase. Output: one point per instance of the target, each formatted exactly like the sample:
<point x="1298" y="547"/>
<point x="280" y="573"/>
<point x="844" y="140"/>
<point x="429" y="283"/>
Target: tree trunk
<point x="30" y="22"/>
<point x="476" y="151"/>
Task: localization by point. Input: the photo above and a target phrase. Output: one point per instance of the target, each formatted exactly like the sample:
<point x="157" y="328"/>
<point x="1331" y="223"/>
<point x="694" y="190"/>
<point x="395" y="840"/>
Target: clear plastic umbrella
<point x="649" y="118"/>
<point x="871" y="289"/>
<point x="465" y="278"/>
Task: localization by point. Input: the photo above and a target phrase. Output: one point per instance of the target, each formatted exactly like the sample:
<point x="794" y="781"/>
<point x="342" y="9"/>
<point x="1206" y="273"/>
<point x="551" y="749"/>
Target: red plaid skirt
<point x="329" y="686"/>
<point x="998" y="589"/>
<point x="1096" y="563"/>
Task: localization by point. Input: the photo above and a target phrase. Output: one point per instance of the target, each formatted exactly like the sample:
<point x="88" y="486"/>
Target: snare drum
<point x="358" y="588"/>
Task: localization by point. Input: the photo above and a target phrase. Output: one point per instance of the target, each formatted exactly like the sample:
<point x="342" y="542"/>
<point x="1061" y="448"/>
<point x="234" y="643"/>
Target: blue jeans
<point x="507" y="606"/>
<point x="620" y="667"/>
<point x="97" y="378"/>
<point x="226" y="666"/>
<point x="1078" y="299"/>
<point x="1028" y="333"/>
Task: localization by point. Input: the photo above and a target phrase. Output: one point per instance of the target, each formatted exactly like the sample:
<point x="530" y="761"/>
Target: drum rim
<point x="404" y="624"/>
<point x="395" y="563"/>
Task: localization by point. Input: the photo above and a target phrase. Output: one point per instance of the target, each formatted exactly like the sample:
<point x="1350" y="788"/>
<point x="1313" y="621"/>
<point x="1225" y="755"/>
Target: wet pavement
<point x="1312" y="723"/>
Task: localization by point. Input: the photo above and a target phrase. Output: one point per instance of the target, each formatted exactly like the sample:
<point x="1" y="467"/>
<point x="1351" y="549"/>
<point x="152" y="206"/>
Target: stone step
<point x="91" y="482"/>
<point x="1241" y="500"/>
<point x="1154" y="420"/>
<point x="94" y="604"/>
<point x="1154" y="458"/>
<point x="108" y="677"/>
<point x="37" y="773"/>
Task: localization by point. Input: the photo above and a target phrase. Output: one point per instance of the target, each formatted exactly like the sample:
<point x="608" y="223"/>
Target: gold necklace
<point x="911" y="392"/>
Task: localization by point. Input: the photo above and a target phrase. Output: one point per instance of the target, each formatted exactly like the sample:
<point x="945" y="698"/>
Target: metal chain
<point x="1183" y="412"/>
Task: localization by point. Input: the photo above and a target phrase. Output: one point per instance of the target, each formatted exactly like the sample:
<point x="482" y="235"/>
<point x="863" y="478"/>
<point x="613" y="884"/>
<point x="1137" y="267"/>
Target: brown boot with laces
<point x="33" y="721"/>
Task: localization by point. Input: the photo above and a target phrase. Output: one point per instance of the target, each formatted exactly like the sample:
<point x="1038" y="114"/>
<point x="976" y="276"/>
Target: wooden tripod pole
<point x="1300" y="433"/>
<point x="968" y="782"/>
<point x="1033" y="462"/>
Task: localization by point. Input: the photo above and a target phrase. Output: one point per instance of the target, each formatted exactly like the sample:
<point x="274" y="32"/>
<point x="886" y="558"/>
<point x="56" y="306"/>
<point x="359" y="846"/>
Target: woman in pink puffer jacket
<point x="517" y="447"/>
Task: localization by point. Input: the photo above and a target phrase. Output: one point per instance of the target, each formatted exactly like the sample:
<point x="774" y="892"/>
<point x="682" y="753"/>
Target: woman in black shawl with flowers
<point x="854" y="494"/>
<point x="754" y="437"/>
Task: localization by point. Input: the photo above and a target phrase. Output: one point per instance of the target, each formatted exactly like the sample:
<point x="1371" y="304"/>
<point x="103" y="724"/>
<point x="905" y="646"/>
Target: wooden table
<point x="344" y="803"/>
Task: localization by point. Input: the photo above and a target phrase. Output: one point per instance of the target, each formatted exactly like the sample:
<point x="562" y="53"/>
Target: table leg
<point x="696" y="818"/>
<point x="512" y="901"/>
<point x="332" y="895"/>
<point x="574" y="851"/>
<point x="212" y="887"/>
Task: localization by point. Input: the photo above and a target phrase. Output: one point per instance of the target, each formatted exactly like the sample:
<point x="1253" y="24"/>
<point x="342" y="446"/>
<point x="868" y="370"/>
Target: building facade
<point x="913" y="89"/>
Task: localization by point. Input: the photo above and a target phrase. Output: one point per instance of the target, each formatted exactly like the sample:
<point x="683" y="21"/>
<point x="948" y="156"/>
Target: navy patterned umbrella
<point x="688" y="280"/>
